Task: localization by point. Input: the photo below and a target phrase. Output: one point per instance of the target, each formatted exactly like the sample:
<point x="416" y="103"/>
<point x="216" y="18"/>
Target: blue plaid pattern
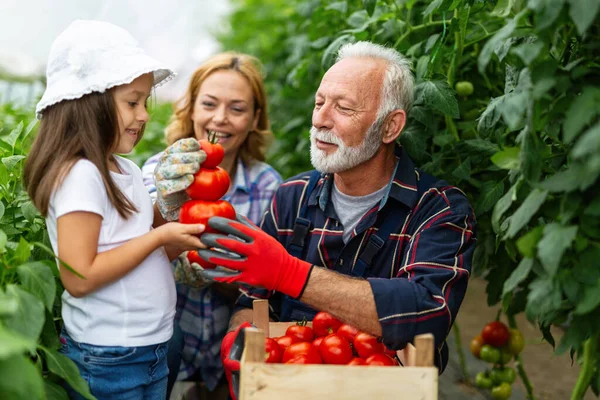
<point x="420" y="275"/>
<point x="203" y="314"/>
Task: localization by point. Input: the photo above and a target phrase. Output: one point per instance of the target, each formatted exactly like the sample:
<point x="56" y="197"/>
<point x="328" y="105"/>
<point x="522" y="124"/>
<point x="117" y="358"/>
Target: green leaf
<point x="490" y="116"/>
<point x="582" y="111"/>
<point x="37" y="279"/>
<point x="525" y="212"/>
<point x="557" y="238"/>
<point x="503" y="8"/>
<point x="527" y="243"/>
<point x="331" y="51"/>
<point x="544" y="300"/>
<point x="12" y="137"/>
<point x="8" y="304"/>
<point x="358" y="19"/>
<point x="588" y="143"/>
<point x="11" y="161"/>
<point x="369" y="5"/>
<point x="341" y="6"/>
<point x="583" y="13"/>
<point x="481" y="147"/>
<point x="546" y="11"/>
<point x="432" y="7"/>
<point x="491" y="192"/>
<point x="54" y="391"/>
<point x="22" y="252"/>
<point x="590" y="299"/>
<point x="498" y="40"/>
<point x="507" y="158"/>
<point x="438" y="95"/>
<point x="463" y="171"/>
<point x="414" y="141"/>
<point x="518" y="275"/>
<point x="567" y="180"/>
<point x="65" y="368"/>
<point x="20" y="379"/>
<point x="503" y="205"/>
<point x="513" y="107"/>
<point x="28" y="319"/>
<point x="29" y="211"/>
<point x="49" y="336"/>
<point x="532" y="156"/>
<point x="528" y="51"/>
<point x="3" y="240"/>
<point x="12" y="344"/>
<point x="593" y="208"/>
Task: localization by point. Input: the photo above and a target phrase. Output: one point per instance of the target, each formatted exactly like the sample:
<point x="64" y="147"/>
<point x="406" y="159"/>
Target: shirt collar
<point x="402" y="186"/>
<point x="241" y="181"/>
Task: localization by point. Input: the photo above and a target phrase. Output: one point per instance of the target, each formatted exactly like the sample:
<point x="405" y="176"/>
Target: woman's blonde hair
<point x="181" y="124"/>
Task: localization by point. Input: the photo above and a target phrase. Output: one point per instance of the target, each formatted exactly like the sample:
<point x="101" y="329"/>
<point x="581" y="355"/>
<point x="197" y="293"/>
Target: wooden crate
<point x="258" y="380"/>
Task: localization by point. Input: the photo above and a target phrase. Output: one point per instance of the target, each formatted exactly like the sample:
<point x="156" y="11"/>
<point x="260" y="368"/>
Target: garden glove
<point x="231" y="353"/>
<point x="189" y="273"/>
<point x="255" y="257"/>
<point x="174" y="173"/>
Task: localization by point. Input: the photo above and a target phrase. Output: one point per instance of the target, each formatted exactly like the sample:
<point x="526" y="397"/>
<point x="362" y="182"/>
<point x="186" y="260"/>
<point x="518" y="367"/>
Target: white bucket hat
<point x="93" y="56"/>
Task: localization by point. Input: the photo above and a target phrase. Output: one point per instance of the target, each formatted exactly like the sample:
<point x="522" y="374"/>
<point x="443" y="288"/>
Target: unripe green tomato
<point x="502" y="391"/>
<point x="464" y="88"/>
<point x="516" y="342"/>
<point x="490" y="354"/>
<point x="499" y="375"/>
<point x="483" y="381"/>
<point x="505" y="355"/>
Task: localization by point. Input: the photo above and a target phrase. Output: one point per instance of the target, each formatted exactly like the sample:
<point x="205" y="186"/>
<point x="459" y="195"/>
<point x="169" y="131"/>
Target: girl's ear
<point x="256" y="119"/>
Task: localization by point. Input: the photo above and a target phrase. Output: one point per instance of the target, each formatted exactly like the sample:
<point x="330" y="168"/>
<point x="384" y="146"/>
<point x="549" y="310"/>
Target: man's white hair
<point x="399" y="83"/>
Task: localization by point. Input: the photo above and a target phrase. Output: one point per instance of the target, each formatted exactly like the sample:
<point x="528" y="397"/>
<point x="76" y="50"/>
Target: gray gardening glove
<point x="189" y="273"/>
<point x="174" y="173"/>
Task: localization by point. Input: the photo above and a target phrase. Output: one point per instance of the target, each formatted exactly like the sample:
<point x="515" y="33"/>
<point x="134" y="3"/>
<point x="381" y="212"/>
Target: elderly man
<point x="368" y="237"/>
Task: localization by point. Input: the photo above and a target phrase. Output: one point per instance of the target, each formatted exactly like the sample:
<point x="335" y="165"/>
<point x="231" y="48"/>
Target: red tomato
<point x="389" y="352"/>
<point x="348" y="332"/>
<point x="209" y="184"/>
<point x="357" y="361"/>
<point x="285" y="341"/>
<point x="317" y="341"/>
<point x="301" y="359"/>
<point x="193" y="257"/>
<point x="366" y="345"/>
<point x="303" y="333"/>
<point x="273" y="351"/>
<point x="380" y="359"/>
<point x="214" y="152"/>
<point x="335" y="349"/>
<point x="199" y="211"/>
<point x="303" y="348"/>
<point x="495" y="333"/>
<point x="325" y="323"/>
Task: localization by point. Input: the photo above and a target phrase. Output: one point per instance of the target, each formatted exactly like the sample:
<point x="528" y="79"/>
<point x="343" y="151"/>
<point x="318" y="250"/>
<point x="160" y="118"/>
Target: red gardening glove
<point x="231" y="366"/>
<point x="256" y="258"/>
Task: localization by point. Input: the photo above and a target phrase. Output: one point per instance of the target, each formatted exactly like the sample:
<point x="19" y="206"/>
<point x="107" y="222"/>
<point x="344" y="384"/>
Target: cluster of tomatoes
<point x="211" y="182"/>
<point x="497" y="345"/>
<point x="329" y="341"/>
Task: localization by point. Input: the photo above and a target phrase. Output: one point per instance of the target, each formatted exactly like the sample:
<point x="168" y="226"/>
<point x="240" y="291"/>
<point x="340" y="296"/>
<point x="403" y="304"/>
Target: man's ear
<point x="394" y="124"/>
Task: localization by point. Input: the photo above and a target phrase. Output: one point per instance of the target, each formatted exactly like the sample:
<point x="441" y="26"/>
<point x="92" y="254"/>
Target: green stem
<point x="461" y="352"/>
<point x="418" y="28"/>
<point x="512" y="322"/>
<point x="451" y="126"/>
<point x="587" y="369"/>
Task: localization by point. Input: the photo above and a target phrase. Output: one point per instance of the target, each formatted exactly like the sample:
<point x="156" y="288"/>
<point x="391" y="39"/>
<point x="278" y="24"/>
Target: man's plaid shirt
<point x="420" y="275"/>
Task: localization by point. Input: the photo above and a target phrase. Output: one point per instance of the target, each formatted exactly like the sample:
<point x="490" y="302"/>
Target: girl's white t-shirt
<point x="138" y="309"/>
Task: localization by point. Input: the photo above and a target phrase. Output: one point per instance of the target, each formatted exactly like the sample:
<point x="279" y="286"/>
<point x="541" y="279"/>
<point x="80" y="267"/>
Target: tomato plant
<point x="334" y="349"/>
<point x="325" y="323"/>
<point x="366" y="345"/>
<point x="209" y="184"/>
<point x="200" y="211"/>
<point x="273" y="351"/>
<point x="214" y="151"/>
<point x="495" y="333"/>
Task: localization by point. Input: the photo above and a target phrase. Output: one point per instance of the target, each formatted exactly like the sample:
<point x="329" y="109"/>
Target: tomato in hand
<point x="199" y="212"/>
<point x="366" y="345"/>
<point x="209" y="184"/>
<point x="285" y="341"/>
<point x="214" y="151"/>
<point x="380" y="359"/>
<point x="302" y="332"/>
<point x="357" y="361"/>
<point x="476" y="344"/>
<point x="348" y="332"/>
<point x="273" y="351"/>
<point x="495" y="333"/>
<point x="193" y="257"/>
<point x="325" y="323"/>
<point x="334" y="349"/>
<point x="302" y="348"/>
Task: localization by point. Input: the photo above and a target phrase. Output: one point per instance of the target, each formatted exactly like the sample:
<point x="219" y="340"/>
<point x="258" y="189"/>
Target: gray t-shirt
<point x="350" y="209"/>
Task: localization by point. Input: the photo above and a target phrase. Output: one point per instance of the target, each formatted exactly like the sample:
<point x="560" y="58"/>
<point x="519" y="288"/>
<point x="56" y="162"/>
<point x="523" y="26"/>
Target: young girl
<point x="101" y="222"/>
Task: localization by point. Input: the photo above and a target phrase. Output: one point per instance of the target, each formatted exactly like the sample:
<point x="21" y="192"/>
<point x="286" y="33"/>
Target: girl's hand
<point x="183" y="236"/>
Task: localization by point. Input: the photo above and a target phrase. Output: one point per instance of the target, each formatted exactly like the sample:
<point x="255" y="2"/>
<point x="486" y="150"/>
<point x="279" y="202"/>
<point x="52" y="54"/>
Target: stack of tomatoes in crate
<point x="329" y="341"/>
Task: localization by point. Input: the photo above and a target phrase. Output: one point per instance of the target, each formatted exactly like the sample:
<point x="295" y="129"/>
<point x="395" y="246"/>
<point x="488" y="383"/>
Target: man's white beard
<point x="344" y="157"/>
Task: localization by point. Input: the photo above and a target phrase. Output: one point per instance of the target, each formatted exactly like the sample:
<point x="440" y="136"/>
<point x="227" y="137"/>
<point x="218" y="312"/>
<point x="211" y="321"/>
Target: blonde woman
<point x="225" y="95"/>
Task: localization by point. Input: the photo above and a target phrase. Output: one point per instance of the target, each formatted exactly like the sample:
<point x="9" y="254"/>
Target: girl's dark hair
<point x="84" y="128"/>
